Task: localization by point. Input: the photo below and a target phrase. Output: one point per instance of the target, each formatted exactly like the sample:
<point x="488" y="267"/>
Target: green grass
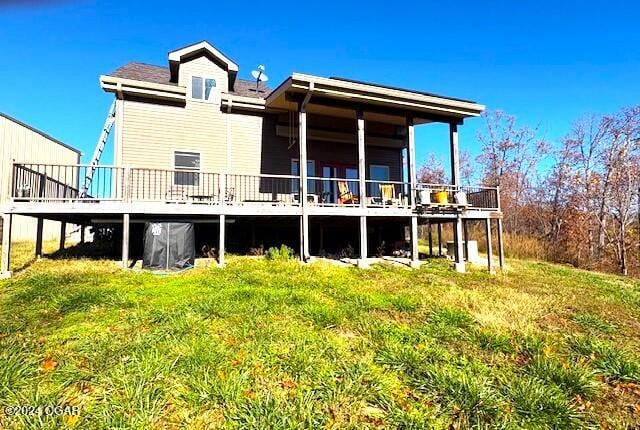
<point x="273" y="344"/>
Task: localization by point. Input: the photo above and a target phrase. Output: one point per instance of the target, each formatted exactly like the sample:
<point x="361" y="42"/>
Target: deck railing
<point x="53" y="182"/>
<point x="436" y="196"/>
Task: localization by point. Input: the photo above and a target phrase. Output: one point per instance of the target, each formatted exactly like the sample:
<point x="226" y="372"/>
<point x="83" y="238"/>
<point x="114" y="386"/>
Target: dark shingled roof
<point x="161" y="75"/>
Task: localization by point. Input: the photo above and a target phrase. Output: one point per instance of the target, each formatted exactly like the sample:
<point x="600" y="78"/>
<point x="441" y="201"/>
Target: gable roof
<point x="203" y="46"/>
<point x="162" y="75"/>
<point x="41" y="133"/>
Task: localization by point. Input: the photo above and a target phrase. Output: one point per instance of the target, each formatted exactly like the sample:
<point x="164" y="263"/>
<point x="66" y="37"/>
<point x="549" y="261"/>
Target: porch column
<point x="411" y="153"/>
<point x="455" y="154"/>
<point x="457" y="244"/>
<point x="439" y="239"/>
<point x="82" y="229"/>
<point x="39" y="229"/>
<point x="489" y="245"/>
<point x="5" y="261"/>
<point x="455" y="181"/>
<point x="362" y="176"/>
<point x="500" y="247"/>
<point x="302" y="170"/>
<point x="222" y="239"/>
<point x="63" y="234"/>
<point x="125" y="241"/>
<point x="430" y="240"/>
<point x="362" y="164"/>
<point x="415" y="255"/>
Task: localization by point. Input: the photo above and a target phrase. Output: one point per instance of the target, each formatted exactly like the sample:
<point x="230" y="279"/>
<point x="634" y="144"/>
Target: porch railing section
<point x="49" y="182"/>
<point x="447" y="195"/>
<point x="387" y="194"/>
<point x="54" y="182"/>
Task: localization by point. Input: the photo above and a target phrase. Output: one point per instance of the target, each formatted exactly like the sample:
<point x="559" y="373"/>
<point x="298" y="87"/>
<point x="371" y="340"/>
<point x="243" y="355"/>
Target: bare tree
<point x="432" y="171"/>
<point x="510" y="158"/>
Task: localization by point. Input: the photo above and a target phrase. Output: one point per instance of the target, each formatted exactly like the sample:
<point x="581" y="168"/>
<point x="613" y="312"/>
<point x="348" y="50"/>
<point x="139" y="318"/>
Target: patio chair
<point x="388" y="194"/>
<point x="345" y="196"/>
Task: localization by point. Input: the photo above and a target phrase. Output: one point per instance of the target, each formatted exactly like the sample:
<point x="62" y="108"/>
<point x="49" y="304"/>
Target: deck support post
<point x="430" y="240"/>
<point x="465" y="233"/>
<point x="82" y="229"/>
<point x="489" y="245"/>
<point x="39" y="228"/>
<point x="362" y="261"/>
<point x="125" y="241"/>
<point x="415" y="254"/>
<point x="500" y="245"/>
<point x="222" y="240"/>
<point x="457" y="244"/>
<point x="302" y="170"/>
<point x="63" y="234"/>
<point x="439" y="239"/>
<point x="5" y="260"/>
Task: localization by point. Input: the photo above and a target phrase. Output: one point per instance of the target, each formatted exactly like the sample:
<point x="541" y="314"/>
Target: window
<point x="203" y="88"/>
<point x="377" y="173"/>
<point x="184" y="162"/>
<point x="295" y="171"/>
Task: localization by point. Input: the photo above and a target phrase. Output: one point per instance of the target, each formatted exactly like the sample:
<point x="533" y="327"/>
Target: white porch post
<point x="5" y="261"/>
<point x="413" y="179"/>
<point x="362" y="177"/>
<point x="125" y="241"/>
<point x="411" y="153"/>
<point x="455" y="154"/>
<point x="302" y="170"/>
<point x="221" y="243"/>
<point x="455" y="181"/>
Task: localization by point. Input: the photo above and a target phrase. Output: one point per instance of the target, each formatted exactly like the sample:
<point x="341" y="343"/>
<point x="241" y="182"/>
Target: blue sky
<point x="546" y="62"/>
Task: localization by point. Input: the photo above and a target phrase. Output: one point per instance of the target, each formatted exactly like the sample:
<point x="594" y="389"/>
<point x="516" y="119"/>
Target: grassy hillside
<point x="266" y="344"/>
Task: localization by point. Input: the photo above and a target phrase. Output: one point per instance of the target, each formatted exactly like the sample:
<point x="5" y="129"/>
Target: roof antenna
<point x="259" y="76"/>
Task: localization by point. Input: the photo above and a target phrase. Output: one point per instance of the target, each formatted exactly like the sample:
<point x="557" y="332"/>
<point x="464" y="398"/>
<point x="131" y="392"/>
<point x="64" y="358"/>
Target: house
<point x="20" y="142"/>
<point x="193" y="141"/>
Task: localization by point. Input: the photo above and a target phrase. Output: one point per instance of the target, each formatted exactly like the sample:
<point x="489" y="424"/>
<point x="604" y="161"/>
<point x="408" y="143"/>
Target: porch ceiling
<point x="341" y="98"/>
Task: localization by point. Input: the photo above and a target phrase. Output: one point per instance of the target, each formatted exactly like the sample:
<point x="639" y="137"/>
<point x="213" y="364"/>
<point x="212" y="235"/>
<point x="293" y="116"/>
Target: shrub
<point x="282" y="253"/>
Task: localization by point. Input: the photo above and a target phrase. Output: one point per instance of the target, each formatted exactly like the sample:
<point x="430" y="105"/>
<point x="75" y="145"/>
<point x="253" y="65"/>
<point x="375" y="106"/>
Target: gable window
<point x="203" y="88"/>
<point x="187" y="164"/>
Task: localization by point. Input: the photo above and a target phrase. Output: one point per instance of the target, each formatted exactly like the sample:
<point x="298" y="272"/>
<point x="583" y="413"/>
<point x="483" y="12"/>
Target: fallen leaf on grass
<point x="49" y="365"/>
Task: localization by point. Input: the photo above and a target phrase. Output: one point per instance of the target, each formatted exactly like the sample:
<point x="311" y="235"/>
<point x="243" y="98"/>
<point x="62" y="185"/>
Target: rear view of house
<point x="324" y="165"/>
<point x="21" y="143"/>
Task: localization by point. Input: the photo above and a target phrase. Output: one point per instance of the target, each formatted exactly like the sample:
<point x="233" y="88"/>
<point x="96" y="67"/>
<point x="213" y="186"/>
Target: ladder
<point x="97" y="153"/>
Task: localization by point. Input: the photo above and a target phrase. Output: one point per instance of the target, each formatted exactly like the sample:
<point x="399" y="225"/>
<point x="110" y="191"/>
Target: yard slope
<point x="266" y="344"/>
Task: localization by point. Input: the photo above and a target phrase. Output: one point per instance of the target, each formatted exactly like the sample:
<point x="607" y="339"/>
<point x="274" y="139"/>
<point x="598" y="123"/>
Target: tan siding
<point x="246" y="143"/>
<point x="21" y="144"/>
<point x="152" y="132"/>
<point x="203" y="67"/>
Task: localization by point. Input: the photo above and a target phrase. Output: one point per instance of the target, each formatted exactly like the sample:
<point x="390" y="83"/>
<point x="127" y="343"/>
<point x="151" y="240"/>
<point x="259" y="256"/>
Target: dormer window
<point x="203" y="89"/>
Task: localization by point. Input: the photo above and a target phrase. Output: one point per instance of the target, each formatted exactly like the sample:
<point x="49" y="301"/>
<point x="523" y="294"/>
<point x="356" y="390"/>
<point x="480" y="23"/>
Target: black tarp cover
<point x="168" y="246"/>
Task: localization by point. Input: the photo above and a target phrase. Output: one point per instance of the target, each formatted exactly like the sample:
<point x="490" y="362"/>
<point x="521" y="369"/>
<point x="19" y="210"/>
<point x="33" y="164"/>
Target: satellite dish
<point x="259" y="76"/>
